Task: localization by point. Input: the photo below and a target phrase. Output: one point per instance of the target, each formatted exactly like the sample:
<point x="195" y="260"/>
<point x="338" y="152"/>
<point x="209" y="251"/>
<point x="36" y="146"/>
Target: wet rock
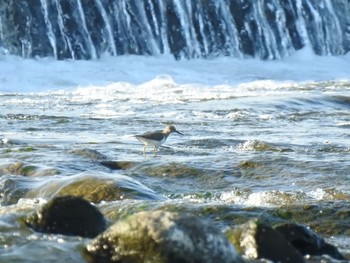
<point x="89" y="153"/>
<point x="119" y="165"/>
<point x="97" y="187"/>
<point x="68" y="215"/>
<point x="307" y="242"/>
<point x="12" y="188"/>
<point x="334" y="219"/>
<point x="161" y="237"/>
<point x="20" y="168"/>
<point x="93" y="186"/>
<point x="172" y="170"/>
<point x="257" y="241"/>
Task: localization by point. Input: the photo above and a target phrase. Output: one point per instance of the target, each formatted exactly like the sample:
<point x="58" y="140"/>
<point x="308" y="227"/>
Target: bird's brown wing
<point x="156" y="135"/>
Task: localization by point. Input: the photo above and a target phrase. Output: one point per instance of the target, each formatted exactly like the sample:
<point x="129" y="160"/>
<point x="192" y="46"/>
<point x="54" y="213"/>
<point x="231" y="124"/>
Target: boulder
<point x="68" y="215"/>
<point x="258" y="241"/>
<point x="307" y="242"/>
<point x="162" y="237"/>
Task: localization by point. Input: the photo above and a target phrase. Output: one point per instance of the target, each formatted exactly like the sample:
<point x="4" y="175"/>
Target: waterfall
<point x="186" y="29"/>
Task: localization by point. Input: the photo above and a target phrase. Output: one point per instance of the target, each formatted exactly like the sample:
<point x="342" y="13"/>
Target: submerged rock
<point x="119" y="165"/>
<point x="161" y="237"/>
<point x="104" y="187"/>
<point x="68" y="215"/>
<point x="89" y="153"/>
<point x="307" y="242"/>
<point x="93" y="186"/>
<point x="172" y="170"/>
<point x="20" y="168"/>
<point x="257" y="241"/>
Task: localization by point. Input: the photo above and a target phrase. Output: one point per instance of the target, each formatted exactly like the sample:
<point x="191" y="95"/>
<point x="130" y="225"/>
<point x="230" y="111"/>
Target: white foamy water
<point x="126" y="73"/>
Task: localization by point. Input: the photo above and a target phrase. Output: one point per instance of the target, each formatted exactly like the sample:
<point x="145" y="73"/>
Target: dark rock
<point x="161" y="237"/>
<point x="307" y="242"/>
<point x="68" y="215"/>
<point x="257" y="241"/>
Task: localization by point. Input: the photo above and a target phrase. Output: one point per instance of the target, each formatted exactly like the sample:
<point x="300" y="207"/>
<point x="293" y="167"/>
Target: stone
<point x="162" y="237"/>
<point x="307" y="242"/>
<point x="20" y="168"/>
<point x="89" y="153"/>
<point x="93" y="186"/>
<point x="68" y="215"/>
<point x="258" y="241"/>
<point x="119" y="165"/>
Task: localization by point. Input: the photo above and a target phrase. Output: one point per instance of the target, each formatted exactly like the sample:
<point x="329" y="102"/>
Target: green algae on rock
<point x="162" y="237"/>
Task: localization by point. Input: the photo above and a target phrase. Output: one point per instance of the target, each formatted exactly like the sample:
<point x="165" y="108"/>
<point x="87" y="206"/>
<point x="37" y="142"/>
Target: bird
<point x="156" y="138"/>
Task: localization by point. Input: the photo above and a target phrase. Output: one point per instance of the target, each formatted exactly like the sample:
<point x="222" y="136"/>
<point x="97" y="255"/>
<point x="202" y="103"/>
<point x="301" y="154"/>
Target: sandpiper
<point x="156" y="138"/>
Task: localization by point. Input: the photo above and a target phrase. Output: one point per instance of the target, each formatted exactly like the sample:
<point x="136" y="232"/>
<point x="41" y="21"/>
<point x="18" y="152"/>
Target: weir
<point x="186" y="29"/>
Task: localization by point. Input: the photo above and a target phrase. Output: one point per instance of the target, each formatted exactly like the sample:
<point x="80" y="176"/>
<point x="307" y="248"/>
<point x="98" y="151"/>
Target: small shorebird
<point x="156" y="138"/>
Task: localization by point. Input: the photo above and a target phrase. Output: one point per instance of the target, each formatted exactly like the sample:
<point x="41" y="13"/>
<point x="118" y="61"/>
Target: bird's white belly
<point x="152" y="142"/>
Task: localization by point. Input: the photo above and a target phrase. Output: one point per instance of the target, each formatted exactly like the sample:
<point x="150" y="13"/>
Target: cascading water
<point x="266" y="29"/>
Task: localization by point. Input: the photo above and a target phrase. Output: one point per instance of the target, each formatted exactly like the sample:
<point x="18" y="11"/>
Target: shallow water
<point x="272" y="148"/>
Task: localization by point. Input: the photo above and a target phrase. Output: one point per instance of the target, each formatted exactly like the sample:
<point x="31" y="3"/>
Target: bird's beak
<point x="179" y="132"/>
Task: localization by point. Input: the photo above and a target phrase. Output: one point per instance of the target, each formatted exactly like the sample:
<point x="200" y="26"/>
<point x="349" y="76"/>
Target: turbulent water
<point x="261" y="139"/>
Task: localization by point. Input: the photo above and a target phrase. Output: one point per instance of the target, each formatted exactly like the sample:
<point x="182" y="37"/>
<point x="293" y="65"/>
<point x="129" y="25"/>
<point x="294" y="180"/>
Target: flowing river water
<point x="253" y="147"/>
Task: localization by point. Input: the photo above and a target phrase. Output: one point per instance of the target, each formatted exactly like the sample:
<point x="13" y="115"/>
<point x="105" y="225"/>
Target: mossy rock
<point x="161" y="237"/>
<point x="95" y="188"/>
<point x="89" y="153"/>
<point x="249" y="165"/>
<point x="172" y="170"/>
<point x="20" y="168"/>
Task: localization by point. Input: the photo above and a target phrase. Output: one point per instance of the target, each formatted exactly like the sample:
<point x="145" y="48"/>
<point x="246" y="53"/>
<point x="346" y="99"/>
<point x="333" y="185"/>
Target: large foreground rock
<point x="68" y="215"/>
<point x="161" y="237"/>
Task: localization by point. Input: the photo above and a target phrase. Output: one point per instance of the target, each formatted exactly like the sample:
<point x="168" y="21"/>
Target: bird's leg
<point x="154" y="150"/>
<point x="144" y="150"/>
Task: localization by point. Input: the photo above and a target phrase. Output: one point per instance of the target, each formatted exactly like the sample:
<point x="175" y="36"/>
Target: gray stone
<point x="162" y="237"/>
